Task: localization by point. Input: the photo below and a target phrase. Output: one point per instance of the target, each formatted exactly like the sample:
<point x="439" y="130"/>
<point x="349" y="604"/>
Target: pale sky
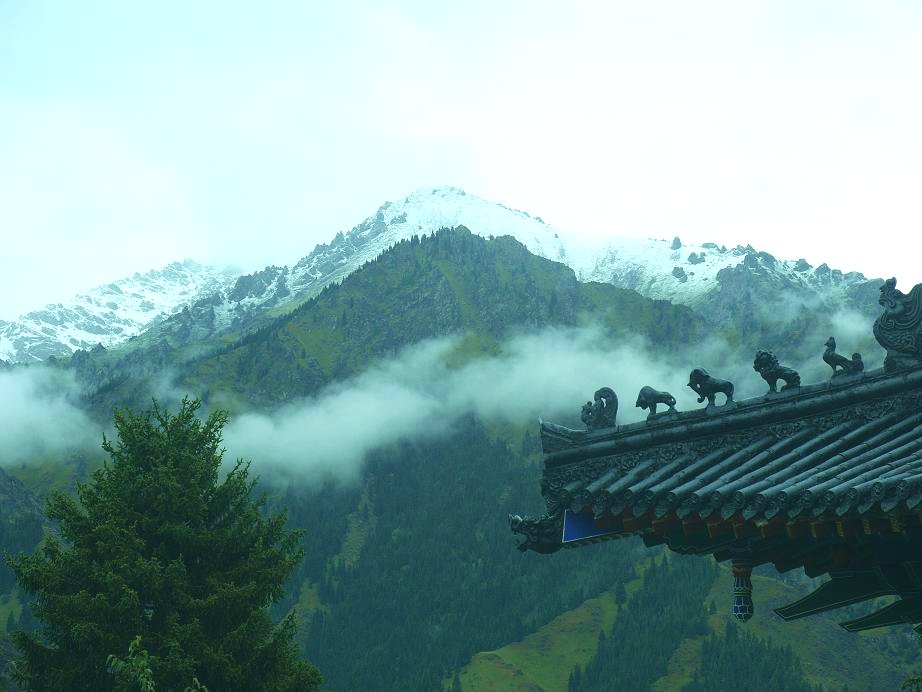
<point x="133" y="134"/>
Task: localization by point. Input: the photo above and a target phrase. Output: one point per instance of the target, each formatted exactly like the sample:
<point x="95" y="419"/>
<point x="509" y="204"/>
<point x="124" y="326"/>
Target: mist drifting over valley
<point x="41" y="417"/>
<point x="419" y="394"/>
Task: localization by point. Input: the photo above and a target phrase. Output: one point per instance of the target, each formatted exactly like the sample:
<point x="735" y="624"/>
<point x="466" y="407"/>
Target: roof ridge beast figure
<point x="707" y="387"/>
<point x="600" y="413"/>
<point x="648" y="398"/>
<point x="767" y="365"/>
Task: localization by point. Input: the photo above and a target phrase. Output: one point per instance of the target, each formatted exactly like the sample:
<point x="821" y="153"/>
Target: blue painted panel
<point x="582" y="525"/>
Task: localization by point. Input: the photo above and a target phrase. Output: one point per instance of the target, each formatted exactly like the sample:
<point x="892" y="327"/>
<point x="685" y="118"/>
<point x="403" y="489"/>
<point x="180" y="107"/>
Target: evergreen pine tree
<point x="156" y="545"/>
<point x="576" y="680"/>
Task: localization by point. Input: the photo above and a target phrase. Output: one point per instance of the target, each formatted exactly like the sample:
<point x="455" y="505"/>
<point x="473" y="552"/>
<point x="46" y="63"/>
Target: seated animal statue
<point x="707" y="387"/>
<point x="600" y="413"/>
<point x="649" y="398"/>
<point x="771" y="371"/>
<point x="840" y="364"/>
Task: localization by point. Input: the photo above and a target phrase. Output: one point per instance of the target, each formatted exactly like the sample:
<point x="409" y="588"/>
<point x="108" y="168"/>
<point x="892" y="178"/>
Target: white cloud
<point x="549" y="374"/>
<point x="38" y="417"/>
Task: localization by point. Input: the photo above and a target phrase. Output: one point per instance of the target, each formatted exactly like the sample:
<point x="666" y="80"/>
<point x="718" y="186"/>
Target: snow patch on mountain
<point x="110" y="314"/>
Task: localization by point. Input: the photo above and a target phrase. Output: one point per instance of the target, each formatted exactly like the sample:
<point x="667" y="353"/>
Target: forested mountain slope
<point x="450" y="283"/>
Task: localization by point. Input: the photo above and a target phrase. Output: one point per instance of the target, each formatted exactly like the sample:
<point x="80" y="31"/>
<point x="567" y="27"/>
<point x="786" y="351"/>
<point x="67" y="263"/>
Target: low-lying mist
<point x="418" y="395"/>
<point x="549" y="374"/>
<point x="40" y="416"/>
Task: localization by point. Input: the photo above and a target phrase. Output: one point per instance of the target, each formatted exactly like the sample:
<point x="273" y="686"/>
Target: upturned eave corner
<point x="826" y="477"/>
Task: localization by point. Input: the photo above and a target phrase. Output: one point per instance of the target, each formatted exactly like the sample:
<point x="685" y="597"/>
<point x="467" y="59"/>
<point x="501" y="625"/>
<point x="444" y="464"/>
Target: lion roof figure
<point x="648" y="398"/>
<point x="766" y="364"/>
<point x="707" y="387"/>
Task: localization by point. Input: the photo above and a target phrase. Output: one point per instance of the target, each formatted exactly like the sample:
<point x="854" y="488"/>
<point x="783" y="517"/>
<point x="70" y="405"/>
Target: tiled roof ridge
<point x="563" y="445"/>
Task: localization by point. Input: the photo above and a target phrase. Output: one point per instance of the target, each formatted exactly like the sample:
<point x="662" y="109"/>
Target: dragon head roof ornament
<point x="899" y="328"/>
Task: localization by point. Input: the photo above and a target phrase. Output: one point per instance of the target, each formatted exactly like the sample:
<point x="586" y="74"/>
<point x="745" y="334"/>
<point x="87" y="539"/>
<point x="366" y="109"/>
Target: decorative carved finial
<point x="600" y="413"/>
<point x="542" y="534"/>
<point x="743" y="608"/>
<point x="899" y="329"/>
<point x="707" y="387"/>
<point x="649" y="398"/>
<point x="840" y="364"/>
<point x="771" y="371"/>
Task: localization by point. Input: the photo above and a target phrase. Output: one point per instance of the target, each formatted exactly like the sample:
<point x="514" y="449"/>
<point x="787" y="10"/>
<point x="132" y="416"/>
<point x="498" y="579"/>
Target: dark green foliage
<point x="576" y="679"/>
<point x="20" y="533"/>
<point x="157" y="545"/>
<point x="20" y="524"/>
<point x="134" y="671"/>
<point x="6" y="652"/>
<point x="27" y="620"/>
<point x="912" y="684"/>
<point x="740" y="660"/>
<point x="668" y="609"/>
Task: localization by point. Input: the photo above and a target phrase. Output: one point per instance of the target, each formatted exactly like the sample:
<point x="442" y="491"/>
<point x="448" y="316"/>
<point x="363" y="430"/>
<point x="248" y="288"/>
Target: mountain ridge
<point x="721" y="284"/>
<point x="108" y="314"/>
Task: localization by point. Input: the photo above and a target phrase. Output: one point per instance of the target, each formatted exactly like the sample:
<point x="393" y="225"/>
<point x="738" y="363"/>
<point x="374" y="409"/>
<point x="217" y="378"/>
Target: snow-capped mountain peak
<point x="109" y="314"/>
<point x="421" y="212"/>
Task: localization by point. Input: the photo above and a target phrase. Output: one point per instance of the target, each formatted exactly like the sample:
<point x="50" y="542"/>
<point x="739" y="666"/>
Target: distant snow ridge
<point x="724" y="283"/>
<point x="690" y="274"/>
<point x="658" y="269"/>
<point x="109" y="314"/>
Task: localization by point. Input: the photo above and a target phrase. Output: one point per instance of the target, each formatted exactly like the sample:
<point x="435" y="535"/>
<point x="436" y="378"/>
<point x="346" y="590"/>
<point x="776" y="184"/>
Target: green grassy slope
<point x="545" y="658"/>
<point x="829" y="657"/>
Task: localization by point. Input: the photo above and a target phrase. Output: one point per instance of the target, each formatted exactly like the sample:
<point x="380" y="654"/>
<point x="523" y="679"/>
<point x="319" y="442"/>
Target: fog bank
<point x="416" y="395"/>
<point x="38" y="416"/>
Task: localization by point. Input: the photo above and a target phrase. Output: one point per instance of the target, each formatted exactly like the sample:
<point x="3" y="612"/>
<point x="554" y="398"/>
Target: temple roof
<point x="836" y="448"/>
<point x="826" y="477"/>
